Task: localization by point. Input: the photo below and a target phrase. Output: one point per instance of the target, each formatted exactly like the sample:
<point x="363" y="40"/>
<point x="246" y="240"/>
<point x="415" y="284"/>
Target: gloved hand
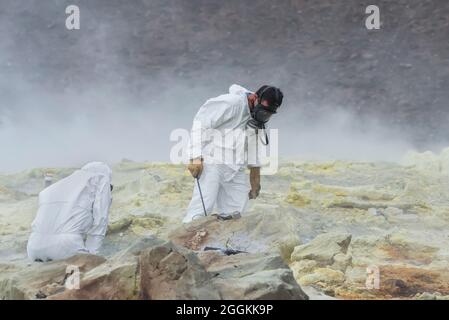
<point x="254" y="179"/>
<point x="195" y="167"/>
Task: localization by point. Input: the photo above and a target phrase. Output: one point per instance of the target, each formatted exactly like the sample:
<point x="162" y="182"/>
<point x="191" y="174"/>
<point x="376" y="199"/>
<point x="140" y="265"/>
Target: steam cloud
<point x="110" y="110"/>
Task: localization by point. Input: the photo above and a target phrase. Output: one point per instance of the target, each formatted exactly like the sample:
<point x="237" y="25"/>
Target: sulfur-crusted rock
<point x="323" y="277"/>
<point x="323" y="248"/>
<point x="303" y="267"/>
<point x="287" y="244"/>
<point x="295" y="198"/>
<point x="341" y="262"/>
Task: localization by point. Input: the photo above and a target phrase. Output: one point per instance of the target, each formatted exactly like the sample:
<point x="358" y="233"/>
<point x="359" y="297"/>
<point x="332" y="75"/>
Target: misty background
<point x="136" y="70"/>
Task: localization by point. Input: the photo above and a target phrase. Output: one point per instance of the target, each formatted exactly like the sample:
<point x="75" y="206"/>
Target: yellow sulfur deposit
<point x="297" y="199"/>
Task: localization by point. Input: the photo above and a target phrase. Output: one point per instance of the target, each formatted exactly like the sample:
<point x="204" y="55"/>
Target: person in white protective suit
<point x="73" y="215"/>
<point x="224" y="184"/>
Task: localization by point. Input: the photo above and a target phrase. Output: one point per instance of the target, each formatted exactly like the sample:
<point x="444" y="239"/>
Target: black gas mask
<point x="261" y="114"/>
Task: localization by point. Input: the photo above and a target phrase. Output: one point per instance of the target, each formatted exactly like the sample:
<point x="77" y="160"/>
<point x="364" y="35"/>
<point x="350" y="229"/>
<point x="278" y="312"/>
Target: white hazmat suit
<point x="73" y="215"/>
<point x="224" y="184"/>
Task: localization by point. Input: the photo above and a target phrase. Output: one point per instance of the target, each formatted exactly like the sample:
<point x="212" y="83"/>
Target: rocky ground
<point x="319" y="223"/>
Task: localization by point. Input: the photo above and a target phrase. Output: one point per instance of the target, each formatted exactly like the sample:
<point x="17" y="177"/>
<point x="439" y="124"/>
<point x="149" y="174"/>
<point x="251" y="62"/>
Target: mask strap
<point x="266" y="136"/>
<point x="263" y="92"/>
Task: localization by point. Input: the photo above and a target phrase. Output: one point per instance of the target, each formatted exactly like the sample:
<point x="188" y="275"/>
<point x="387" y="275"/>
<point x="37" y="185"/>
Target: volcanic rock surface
<point x="313" y="233"/>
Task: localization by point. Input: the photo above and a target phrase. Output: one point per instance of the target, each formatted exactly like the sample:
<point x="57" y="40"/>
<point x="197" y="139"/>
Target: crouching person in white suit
<point x="73" y="215"/>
